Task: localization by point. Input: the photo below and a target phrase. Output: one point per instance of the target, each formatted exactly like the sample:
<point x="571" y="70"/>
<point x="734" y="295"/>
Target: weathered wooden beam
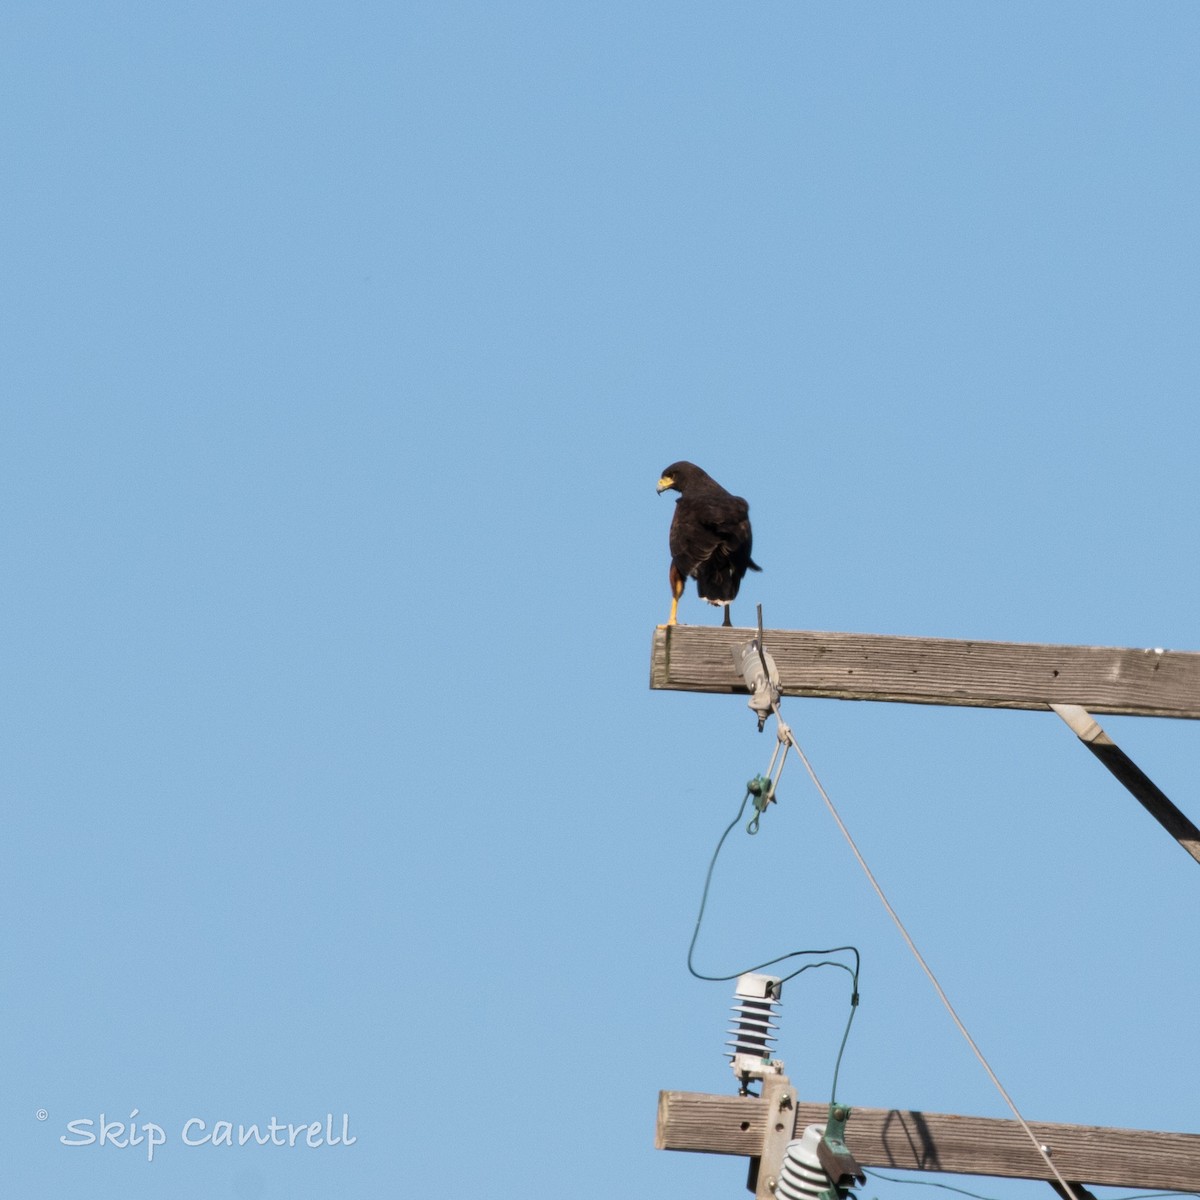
<point x="920" y="1141"/>
<point x="864" y="666"/>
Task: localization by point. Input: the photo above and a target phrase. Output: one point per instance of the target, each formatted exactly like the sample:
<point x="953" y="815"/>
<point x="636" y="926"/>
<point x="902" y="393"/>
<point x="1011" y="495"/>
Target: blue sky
<point x="343" y="347"/>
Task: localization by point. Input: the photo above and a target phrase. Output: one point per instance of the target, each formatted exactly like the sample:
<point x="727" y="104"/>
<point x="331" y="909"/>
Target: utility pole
<point x="1073" y="682"/>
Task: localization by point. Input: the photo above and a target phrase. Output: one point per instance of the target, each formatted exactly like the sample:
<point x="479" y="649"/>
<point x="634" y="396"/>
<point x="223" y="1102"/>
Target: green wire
<point x="852" y="972"/>
<point x="712" y="862"/>
<point x="837" y="1066"/>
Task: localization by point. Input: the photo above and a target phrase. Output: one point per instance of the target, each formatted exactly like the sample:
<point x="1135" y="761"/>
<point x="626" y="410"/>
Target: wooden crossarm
<point x="919" y="1141"/>
<point x="865" y="666"/>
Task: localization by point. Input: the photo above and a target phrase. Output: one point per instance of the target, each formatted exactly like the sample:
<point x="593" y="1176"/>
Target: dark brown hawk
<point x="710" y="537"/>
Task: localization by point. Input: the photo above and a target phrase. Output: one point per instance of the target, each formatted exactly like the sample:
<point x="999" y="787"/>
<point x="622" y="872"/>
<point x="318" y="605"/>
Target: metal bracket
<point x="780" y="1099"/>
<point x="836" y="1160"/>
<point x="758" y="669"/>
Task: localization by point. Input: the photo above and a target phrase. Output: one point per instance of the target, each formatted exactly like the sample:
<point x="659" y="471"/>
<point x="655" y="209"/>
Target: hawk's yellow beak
<point x="664" y="483"/>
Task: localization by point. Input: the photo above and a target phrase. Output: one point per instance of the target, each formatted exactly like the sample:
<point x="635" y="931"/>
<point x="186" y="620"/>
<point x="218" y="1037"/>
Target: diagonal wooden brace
<point x="1176" y="823"/>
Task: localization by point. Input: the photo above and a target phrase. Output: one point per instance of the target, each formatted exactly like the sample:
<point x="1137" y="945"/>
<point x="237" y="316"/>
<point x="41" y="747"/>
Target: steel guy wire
<point x="937" y="987"/>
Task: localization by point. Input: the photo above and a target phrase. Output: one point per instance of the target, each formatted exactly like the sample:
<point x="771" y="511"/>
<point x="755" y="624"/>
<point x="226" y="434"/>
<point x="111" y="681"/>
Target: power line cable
<point x="946" y="1187"/>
